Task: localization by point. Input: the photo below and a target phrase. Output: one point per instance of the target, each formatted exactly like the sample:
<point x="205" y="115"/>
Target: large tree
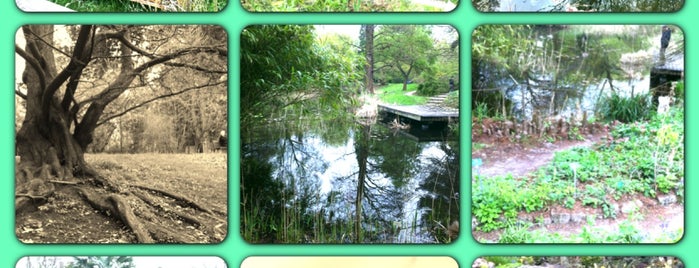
<point x="72" y="76"/>
<point x="366" y="44"/>
<point x="405" y="48"/>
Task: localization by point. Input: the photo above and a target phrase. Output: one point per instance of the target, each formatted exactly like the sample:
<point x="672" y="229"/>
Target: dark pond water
<point x="573" y="80"/>
<point x="579" y="5"/>
<point x="327" y="172"/>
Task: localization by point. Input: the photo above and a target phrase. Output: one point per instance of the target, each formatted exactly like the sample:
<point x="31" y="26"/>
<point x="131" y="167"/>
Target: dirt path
<point x="518" y="159"/>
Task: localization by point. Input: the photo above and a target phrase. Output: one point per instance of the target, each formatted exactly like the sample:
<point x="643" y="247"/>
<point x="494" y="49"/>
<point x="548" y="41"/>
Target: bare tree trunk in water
<point x="362" y="151"/>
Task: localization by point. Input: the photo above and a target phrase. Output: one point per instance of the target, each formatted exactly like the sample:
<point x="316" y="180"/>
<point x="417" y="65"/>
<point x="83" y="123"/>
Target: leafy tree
<point x="85" y="76"/>
<point x="435" y="79"/>
<point x="405" y="48"/>
<point x="284" y="67"/>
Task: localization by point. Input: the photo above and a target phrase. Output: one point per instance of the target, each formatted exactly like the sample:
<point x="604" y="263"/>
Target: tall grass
<point x="626" y="109"/>
<point x="293" y="224"/>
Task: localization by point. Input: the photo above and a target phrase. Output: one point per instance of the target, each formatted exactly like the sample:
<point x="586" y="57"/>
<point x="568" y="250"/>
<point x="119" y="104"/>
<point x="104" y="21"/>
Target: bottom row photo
<point x="346" y="262"/>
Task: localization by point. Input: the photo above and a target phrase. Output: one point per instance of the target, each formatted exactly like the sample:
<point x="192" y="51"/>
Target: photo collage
<point x="338" y="133"/>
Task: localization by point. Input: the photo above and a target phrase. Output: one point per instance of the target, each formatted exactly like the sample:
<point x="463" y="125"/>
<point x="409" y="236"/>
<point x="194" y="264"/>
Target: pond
<point x="579" y="5"/>
<point x="568" y="70"/>
<point x="344" y="182"/>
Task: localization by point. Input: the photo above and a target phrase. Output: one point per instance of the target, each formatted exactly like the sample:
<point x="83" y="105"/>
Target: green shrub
<point x="626" y="109"/>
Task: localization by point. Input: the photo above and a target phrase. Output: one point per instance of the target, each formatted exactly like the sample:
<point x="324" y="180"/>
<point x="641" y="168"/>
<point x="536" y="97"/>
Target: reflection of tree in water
<point x="278" y="182"/>
<point x="556" y="69"/>
<point x="376" y="181"/>
<point x="443" y="182"/>
<point x="384" y="163"/>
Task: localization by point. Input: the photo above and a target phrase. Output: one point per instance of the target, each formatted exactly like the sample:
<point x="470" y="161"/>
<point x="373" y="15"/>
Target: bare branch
<point x="75" y="67"/>
<point x="20" y="94"/>
<point x="35" y="65"/>
<point x="155" y="99"/>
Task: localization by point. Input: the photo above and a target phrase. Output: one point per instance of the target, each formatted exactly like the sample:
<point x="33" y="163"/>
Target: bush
<point x="626" y="109"/>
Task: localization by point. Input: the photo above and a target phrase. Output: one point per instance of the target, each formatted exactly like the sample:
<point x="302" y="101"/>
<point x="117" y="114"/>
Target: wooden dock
<point x="421" y="113"/>
<point x="666" y="71"/>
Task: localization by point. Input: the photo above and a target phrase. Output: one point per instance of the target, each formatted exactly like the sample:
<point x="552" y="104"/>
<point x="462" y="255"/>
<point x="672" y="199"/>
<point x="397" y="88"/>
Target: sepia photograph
<point x="130" y="6"/>
<point x="121" y="134"/>
<point x="578" y="134"/>
<point x="359" y="143"/>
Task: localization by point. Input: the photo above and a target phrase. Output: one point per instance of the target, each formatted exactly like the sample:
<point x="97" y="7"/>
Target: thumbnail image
<point x="576" y="262"/>
<point x="121" y="134"/>
<point x="119" y="262"/>
<point x="616" y="6"/>
<point x="354" y="145"/>
<point x="131" y="6"/>
<point x="349" y="262"/>
<point x="577" y="133"/>
<point x="350" y="5"/>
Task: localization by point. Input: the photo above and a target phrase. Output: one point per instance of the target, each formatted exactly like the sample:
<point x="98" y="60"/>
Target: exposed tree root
<point x="146" y="220"/>
<point x="126" y="214"/>
<point x="177" y="197"/>
<point x="153" y="215"/>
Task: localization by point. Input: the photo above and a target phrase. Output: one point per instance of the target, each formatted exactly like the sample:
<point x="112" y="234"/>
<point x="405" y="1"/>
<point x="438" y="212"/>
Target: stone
<point x="547" y="220"/>
<point x="667" y="200"/>
<point x="577" y="217"/>
<point x="561" y="218"/>
<point x="525" y="218"/>
<point x="631" y="206"/>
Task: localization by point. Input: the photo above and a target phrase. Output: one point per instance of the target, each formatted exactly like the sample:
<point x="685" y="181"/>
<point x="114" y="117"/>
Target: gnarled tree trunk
<point x="56" y="131"/>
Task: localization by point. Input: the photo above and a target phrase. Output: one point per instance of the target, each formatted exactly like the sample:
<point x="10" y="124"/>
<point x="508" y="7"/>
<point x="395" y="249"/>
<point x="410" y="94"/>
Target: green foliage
<point x="501" y="260"/>
<point x="334" y="6"/>
<point x="516" y="234"/>
<point x="285" y="70"/>
<point x="481" y="111"/>
<point x="645" y="157"/>
<point x="129" y="6"/>
<point x="394" y="94"/>
<point x="452" y="99"/>
<point x="407" y="49"/>
<point x="679" y="90"/>
<point x="501" y="43"/>
<point x="626" y="109"/>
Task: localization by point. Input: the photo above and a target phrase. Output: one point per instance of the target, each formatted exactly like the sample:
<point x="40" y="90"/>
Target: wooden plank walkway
<point x="421" y="113"/>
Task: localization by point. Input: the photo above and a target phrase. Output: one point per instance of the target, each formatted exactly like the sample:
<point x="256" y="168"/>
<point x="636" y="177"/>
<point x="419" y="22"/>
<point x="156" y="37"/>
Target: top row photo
<point x="350" y="5"/>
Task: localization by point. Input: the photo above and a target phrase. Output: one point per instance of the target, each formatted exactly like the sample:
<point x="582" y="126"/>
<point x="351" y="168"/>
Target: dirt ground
<point x="67" y="218"/>
<point x="500" y="157"/>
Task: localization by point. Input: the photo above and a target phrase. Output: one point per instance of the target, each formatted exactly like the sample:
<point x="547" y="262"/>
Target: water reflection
<point x="567" y="69"/>
<point x="347" y="183"/>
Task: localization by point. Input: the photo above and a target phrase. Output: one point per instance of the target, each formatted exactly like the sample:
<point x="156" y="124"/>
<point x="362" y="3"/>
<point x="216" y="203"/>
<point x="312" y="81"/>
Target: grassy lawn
<point x="394" y="94"/>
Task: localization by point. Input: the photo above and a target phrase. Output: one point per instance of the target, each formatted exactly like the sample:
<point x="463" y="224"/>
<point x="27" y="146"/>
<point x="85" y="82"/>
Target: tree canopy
<point x="404" y="48"/>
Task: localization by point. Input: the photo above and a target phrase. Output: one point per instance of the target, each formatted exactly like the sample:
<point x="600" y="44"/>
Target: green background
<point x="233" y="250"/>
